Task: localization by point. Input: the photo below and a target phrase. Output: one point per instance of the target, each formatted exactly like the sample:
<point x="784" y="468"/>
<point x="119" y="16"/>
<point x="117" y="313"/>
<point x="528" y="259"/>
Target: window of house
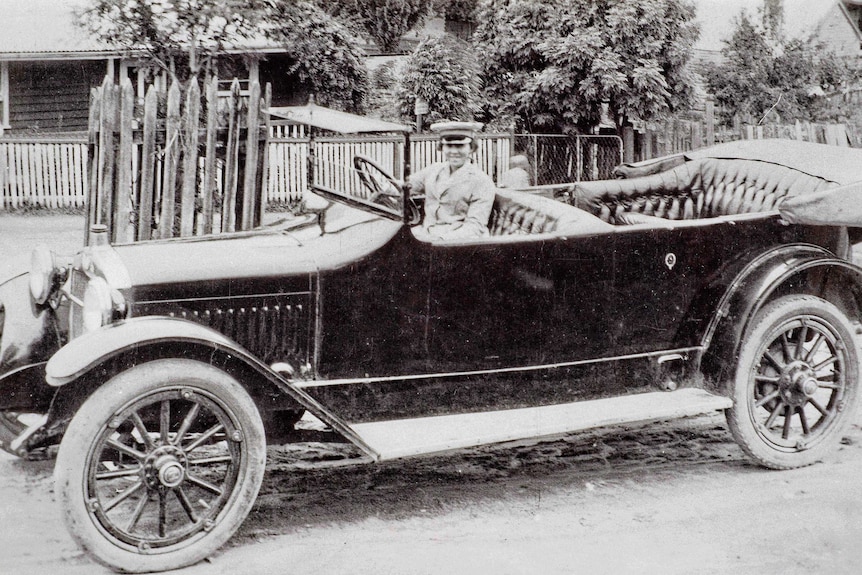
<point x="4" y="96"/>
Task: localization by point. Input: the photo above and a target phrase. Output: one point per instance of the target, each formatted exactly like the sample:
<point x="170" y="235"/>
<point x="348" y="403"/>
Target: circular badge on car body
<point x="670" y="260"/>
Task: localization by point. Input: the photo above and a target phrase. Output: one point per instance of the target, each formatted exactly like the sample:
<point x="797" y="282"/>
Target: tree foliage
<point x="326" y="56"/>
<point x="187" y="37"/>
<point x="457" y="10"/>
<point x="551" y="66"/>
<point x="443" y="72"/>
<point x="764" y="74"/>
<point x="182" y="37"/>
<point x="384" y="21"/>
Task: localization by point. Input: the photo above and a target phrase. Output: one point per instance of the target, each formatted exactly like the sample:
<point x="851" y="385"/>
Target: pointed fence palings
<point x="152" y="178"/>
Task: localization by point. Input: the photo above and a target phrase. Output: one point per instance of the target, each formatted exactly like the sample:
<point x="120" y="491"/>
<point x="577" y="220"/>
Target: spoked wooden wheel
<point x="796" y="384"/>
<point x="161" y="465"/>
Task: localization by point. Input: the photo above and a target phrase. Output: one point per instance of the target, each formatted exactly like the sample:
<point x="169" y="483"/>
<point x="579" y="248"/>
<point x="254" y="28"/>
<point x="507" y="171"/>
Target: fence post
<point x="4" y="177"/>
<point x="709" y="116"/>
<point x="228" y="213"/>
<point x="148" y="166"/>
<point x="190" y="157"/>
<point x="209" y="177"/>
<point x="251" y="151"/>
<point x="263" y="178"/>
<point x="107" y="125"/>
<point x="171" y="159"/>
<point x="628" y="144"/>
<point x="124" y="207"/>
<point x="93" y="160"/>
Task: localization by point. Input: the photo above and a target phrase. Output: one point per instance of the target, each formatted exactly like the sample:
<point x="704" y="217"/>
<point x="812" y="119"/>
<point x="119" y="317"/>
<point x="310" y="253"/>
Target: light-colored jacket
<point x="457" y="205"/>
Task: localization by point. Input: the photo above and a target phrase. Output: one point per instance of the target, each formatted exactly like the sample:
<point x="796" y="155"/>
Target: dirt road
<point x="670" y="498"/>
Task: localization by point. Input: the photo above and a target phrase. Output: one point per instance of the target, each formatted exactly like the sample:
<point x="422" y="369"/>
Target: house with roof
<point x="840" y="30"/>
<point x="835" y="23"/>
<point x="49" y="64"/>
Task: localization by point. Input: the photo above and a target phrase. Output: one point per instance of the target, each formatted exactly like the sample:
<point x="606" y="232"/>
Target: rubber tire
<point x="70" y="471"/>
<point x="739" y="418"/>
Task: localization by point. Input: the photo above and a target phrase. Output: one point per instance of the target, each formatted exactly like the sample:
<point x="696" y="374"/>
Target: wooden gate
<point x="177" y="165"/>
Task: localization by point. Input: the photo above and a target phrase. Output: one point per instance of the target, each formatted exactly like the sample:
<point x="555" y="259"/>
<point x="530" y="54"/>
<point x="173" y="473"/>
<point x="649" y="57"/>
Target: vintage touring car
<point x="716" y="280"/>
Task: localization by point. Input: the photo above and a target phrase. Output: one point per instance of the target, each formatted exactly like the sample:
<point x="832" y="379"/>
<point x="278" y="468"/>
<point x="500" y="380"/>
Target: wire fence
<point x="557" y="159"/>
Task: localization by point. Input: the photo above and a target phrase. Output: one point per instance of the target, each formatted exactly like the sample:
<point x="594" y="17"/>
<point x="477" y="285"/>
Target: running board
<point x="406" y="437"/>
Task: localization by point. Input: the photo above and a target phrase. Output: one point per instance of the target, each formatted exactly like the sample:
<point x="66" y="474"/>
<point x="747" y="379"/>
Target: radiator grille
<point x="78" y="286"/>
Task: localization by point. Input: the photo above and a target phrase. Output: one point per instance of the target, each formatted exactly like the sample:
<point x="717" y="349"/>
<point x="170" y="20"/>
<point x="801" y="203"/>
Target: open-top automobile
<point x="716" y="280"/>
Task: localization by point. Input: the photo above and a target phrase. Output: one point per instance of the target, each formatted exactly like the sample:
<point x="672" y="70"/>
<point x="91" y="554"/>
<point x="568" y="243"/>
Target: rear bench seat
<point x="517" y="212"/>
<point x="702" y="188"/>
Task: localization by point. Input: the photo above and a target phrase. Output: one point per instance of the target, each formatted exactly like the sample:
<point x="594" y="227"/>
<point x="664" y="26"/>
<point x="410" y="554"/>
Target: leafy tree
<point x="384" y="21"/>
<point x="551" y="66"/>
<point x="326" y="56"/>
<point x="458" y="10"/>
<point x="187" y="37"/>
<point x="183" y="37"/>
<point x="443" y="72"/>
<point x="766" y="75"/>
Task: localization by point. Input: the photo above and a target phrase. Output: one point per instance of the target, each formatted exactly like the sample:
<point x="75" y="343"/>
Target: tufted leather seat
<point x="517" y="212"/>
<point x="701" y="188"/>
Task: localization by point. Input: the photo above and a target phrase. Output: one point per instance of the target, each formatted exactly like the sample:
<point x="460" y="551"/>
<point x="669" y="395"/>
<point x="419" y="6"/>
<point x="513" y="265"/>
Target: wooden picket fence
<point x="288" y="169"/>
<point x="166" y="171"/>
<point x="62" y="172"/>
<point x="49" y="173"/>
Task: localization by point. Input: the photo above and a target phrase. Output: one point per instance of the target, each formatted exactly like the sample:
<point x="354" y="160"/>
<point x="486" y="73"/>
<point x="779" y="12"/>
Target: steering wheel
<point x="385" y="190"/>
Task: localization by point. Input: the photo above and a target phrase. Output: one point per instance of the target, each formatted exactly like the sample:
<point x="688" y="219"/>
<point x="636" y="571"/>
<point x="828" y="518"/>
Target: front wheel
<point x="796" y="384"/>
<point x="160" y="466"/>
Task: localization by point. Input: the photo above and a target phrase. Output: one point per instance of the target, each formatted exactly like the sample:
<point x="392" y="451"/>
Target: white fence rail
<point x="288" y="166"/>
<point x="46" y="173"/>
<point x="53" y="173"/>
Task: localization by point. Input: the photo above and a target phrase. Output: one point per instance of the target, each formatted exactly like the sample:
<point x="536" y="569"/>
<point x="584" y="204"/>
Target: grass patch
<point x="36" y="210"/>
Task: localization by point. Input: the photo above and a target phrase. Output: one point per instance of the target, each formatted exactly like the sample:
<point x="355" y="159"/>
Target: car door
<point x="518" y="302"/>
<point x="659" y="271"/>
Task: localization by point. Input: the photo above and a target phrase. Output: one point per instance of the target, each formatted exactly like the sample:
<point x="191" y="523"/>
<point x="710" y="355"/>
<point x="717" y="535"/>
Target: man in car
<point x="458" y="194"/>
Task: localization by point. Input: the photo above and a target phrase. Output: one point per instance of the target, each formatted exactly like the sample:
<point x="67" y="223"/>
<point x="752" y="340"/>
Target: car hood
<point x="258" y="254"/>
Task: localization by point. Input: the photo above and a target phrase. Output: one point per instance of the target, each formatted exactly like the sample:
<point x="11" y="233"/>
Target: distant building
<point x="839" y="29"/>
<point x="48" y="65"/>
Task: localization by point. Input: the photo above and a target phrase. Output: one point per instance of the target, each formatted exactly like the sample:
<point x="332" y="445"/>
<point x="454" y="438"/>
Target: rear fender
<point x="805" y="270"/>
<point x="89" y="360"/>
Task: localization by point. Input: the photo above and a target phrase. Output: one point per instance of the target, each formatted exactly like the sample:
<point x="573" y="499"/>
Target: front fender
<point x="91" y="350"/>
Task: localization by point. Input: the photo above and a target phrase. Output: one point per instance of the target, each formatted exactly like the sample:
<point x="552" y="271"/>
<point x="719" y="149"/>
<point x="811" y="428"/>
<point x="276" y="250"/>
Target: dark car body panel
<point x="369" y="320"/>
<point x="384" y="325"/>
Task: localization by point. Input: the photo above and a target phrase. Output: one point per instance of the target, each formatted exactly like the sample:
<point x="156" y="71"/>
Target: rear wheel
<point x="796" y="384"/>
<point x="160" y="465"/>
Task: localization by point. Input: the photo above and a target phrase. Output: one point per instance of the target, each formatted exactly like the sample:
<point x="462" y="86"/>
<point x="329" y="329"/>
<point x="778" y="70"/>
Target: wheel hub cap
<point x="171" y="473"/>
<point x="165" y="467"/>
<point x="798" y="384"/>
